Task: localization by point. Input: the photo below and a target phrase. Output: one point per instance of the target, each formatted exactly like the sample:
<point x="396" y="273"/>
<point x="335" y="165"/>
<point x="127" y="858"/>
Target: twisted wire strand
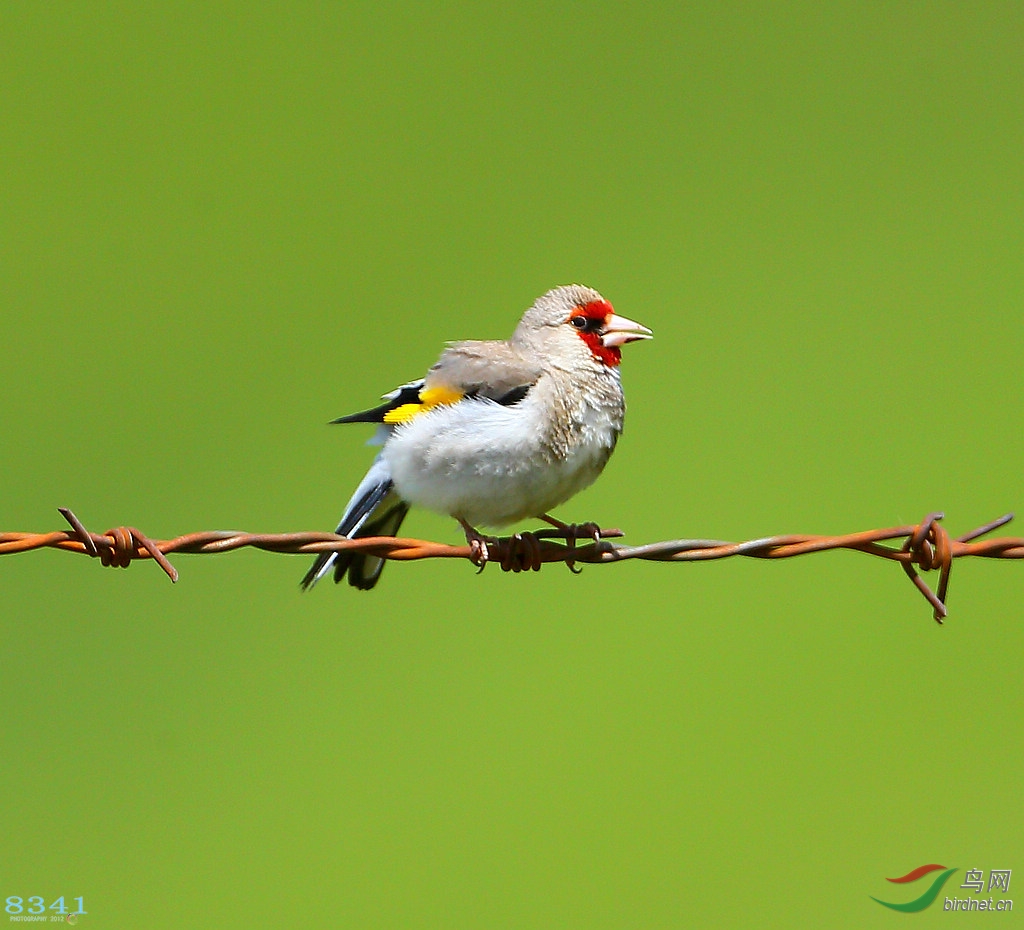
<point x="926" y="547"/>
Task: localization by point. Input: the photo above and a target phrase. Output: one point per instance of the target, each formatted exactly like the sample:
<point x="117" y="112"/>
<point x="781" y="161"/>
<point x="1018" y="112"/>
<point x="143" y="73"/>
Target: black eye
<point x="585" y="324"/>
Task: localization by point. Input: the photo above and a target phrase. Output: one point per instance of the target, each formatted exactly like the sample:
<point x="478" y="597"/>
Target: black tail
<point x="364" y="570"/>
<point x="374" y="510"/>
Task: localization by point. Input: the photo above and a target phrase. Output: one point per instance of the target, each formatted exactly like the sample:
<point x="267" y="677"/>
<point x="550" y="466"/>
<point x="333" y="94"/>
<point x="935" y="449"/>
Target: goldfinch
<point x="497" y="431"/>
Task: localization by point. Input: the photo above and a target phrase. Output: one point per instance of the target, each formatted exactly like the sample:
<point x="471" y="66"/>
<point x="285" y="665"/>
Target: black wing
<point x="406" y="394"/>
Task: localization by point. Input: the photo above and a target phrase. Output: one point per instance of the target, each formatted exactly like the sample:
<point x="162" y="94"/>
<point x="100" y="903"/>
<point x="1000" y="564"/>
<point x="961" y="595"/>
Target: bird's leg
<point x="479" y="555"/>
<point x="574" y="531"/>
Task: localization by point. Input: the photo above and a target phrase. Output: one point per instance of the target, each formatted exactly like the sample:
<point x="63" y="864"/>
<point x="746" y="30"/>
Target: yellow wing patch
<point x="429" y="398"/>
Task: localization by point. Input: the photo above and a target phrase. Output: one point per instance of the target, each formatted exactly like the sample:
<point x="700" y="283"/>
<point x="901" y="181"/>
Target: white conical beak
<point x="618" y="331"/>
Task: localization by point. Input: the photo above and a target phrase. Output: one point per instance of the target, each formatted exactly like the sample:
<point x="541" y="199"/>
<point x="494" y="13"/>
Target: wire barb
<point x="118" y="546"/>
<point x="925" y="547"/>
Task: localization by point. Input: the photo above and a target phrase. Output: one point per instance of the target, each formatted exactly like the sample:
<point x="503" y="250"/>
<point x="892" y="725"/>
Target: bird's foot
<point x="479" y="553"/>
<point x="574" y="531"/>
<point x="519" y="553"/>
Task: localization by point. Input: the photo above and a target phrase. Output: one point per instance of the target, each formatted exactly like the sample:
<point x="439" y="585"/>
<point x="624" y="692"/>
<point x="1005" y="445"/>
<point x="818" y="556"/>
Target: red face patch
<point x="594" y="316"/>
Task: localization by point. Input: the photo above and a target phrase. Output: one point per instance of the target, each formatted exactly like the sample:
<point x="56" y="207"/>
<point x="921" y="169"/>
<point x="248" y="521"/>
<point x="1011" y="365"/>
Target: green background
<point x="224" y="224"/>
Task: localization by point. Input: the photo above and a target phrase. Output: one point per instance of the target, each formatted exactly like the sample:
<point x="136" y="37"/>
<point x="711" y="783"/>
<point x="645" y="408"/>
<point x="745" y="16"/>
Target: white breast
<point x="493" y="465"/>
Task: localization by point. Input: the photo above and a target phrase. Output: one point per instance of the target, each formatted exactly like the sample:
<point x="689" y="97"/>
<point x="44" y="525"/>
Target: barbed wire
<point x="925" y="547"/>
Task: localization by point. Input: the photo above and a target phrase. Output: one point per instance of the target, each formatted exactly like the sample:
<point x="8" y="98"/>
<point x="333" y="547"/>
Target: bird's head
<point x="573" y="324"/>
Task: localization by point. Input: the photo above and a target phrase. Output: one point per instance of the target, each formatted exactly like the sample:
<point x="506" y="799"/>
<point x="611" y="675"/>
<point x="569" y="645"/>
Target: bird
<point x="497" y="431"/>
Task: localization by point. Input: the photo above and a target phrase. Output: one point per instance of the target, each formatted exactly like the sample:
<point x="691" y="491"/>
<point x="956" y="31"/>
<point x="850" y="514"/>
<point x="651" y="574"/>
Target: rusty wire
<point x="925" y="547"/>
